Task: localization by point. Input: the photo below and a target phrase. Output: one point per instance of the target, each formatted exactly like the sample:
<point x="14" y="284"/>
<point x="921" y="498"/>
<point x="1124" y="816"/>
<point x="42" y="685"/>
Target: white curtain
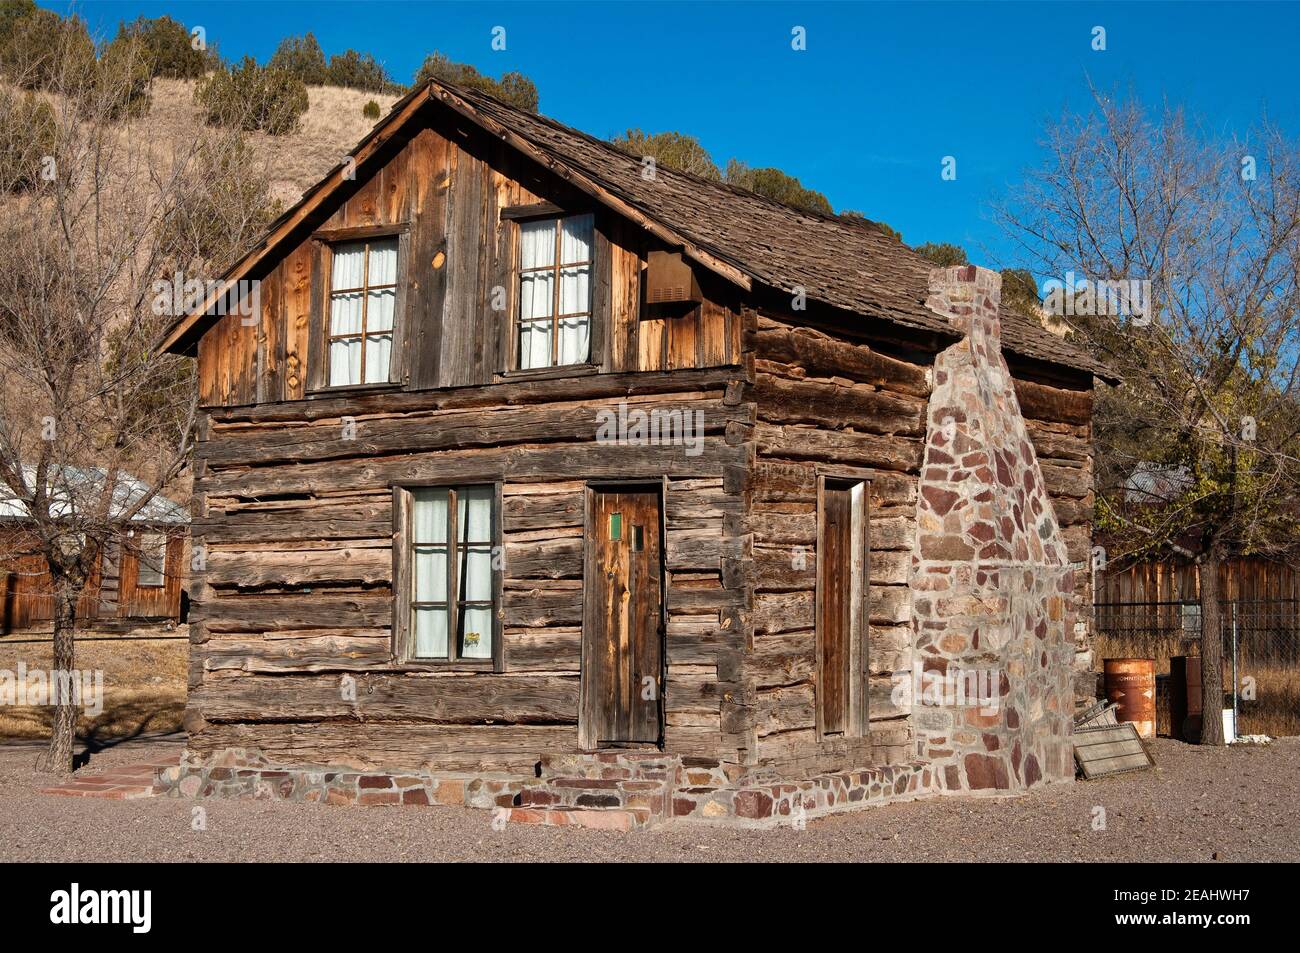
<point x="474" y="569"/>
<point x="379" y="309"/>
<point x="429" y="538"/>
<point x="537" y="291"/>
<point x="349" y="273"/>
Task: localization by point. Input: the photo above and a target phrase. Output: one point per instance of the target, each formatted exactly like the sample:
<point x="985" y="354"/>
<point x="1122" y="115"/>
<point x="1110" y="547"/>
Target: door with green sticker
<point x="622" y="644"/>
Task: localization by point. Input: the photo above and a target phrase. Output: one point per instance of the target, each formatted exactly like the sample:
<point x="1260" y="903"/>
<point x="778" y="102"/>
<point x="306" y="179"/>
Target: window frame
<point x="323" y="243"/>
<point x="138" y="551"/>
<point x="404" y="603"/>
<point x="856" y="716"/>
<point x="594" y="261"/>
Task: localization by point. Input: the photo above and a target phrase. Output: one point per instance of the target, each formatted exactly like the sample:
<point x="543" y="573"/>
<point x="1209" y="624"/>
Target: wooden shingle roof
<point x="846" y="264"/>
<point x="853" y="266"/>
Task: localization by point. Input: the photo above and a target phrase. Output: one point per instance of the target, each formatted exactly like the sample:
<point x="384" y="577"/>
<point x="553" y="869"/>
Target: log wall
<point x="826" y="402"/>
<point x="297" y="594"/>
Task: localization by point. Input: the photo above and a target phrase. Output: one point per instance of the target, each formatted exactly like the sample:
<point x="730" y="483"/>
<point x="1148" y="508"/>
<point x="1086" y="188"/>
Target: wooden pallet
<point x="1110" y="749"/>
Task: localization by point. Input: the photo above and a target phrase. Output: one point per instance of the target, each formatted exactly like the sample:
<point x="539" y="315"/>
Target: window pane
<point x="345" y="313"/>
<point x="152" y="556"/>
<point x="474" y="514"/>
<point x="575" y="240"/>
<point x="383" y="262"/>
<point x="536" y="294"/>
<point x="379" y="309"/>
<point x="345" y="362"/>
<point x="349" y="260"/>
<point x="535" y="344"/>
<point x="430" y="567"/>
<point x="429" y="515"/>
<point x="537" y="243"/>
<point x="476" y="632"/>
<point x="575" y="284"/>
<point x="575" y="340"/>
<point x="378" y="350"/>
<point x="430" y="633"/>
<point x="474" y="570"/>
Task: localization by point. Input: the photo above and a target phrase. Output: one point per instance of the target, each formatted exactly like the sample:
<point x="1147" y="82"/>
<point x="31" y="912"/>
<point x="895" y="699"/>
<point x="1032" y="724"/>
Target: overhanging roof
<point x="745" y="238"/>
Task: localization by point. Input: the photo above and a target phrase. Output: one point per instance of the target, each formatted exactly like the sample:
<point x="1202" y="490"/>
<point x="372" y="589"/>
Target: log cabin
<point x="547" y="480"/>
<point x="138" y="577"/>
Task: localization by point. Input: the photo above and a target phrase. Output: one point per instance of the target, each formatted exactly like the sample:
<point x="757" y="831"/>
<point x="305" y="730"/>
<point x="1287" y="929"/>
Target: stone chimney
<point x="992" y="606"/>
<point x="968" y="296"/>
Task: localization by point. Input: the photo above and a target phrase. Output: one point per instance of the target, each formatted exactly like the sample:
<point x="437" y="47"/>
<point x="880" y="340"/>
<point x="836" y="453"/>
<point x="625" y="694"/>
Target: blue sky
<point x="865" y="114"/>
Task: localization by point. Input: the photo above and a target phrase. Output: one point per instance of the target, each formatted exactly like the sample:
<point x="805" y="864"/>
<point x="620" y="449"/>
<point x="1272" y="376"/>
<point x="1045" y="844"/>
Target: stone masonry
<point x="992" y="604"/>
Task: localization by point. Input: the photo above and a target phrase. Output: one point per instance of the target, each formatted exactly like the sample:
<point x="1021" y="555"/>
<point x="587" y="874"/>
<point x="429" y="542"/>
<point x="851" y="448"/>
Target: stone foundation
<point x="606" y="790"/>
<point x="246" y="774"/>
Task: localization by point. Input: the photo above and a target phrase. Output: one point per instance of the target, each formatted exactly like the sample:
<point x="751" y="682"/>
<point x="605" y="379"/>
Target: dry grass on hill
<point x="332" y="125"/>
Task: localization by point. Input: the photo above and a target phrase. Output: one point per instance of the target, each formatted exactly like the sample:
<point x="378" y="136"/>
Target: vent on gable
<point x="670" y="278"/>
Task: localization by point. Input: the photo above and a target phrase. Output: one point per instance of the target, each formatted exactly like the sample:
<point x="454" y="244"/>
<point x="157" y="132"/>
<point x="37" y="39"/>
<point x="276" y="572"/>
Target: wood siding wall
<point x="1243" y="577"/>
<point x="448" y="188"/>
<point x="27" y="590"/>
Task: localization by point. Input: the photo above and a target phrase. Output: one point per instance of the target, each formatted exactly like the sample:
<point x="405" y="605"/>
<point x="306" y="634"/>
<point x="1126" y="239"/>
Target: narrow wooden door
<point x="841" y="618"/>
<point x="623" y="633"/>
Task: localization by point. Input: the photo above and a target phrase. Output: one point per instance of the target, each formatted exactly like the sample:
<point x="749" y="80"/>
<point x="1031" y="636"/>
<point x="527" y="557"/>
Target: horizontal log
<point x="1053" y="404"/>
<point x="837" y="406"/>
<point x="391" y="745"/>
<point x="317" y="610"/>
<point x="345" y="565"/>
<point x="543" y="605"/>
<point x="593" y="460"/>
<point x="543" y="559"/>
<point x="361" y="437"/>
<point x="445" y="699"/>
<point x="834" y="447"/>
<point x="592" y="387"/>
<point x="299" y="521"/>
<point x="785" y="708"/>
<point x="783" y="658"/>
<point x="1066" y="481"/>
<point x="351" y="650"/>
<point x="536" y="511"/>
<point x="556" y="649"/>
<point x="825" y="356"/>
<point x="782" y="482"/>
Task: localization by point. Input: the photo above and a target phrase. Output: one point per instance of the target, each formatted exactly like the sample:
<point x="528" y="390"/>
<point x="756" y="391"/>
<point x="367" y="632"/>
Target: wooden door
<point x="841" y="611"/>
<point x="622" y="677"/>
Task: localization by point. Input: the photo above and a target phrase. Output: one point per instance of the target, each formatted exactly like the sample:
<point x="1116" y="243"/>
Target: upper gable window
<point x="363" y="295"/>
<point x="555" y="291"/>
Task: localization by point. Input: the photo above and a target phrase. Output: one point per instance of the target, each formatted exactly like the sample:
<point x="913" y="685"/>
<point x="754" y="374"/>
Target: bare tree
<point x="1185" y="254"/>
<point x="118" y="204"/>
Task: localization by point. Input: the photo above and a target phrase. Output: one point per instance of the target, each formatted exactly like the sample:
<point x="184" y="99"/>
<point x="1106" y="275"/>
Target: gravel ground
<point x="1201" y="804"/>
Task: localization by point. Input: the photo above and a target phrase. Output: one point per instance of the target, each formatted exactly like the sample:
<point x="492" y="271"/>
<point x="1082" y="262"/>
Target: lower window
<point x="449" y="574"/>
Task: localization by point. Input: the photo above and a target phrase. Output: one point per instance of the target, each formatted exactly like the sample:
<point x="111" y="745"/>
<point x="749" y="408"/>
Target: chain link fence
<point x="1261" y="653"/>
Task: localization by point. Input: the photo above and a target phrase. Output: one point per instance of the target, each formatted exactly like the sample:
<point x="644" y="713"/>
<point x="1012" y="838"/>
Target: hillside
<point x="332" y="125"/>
